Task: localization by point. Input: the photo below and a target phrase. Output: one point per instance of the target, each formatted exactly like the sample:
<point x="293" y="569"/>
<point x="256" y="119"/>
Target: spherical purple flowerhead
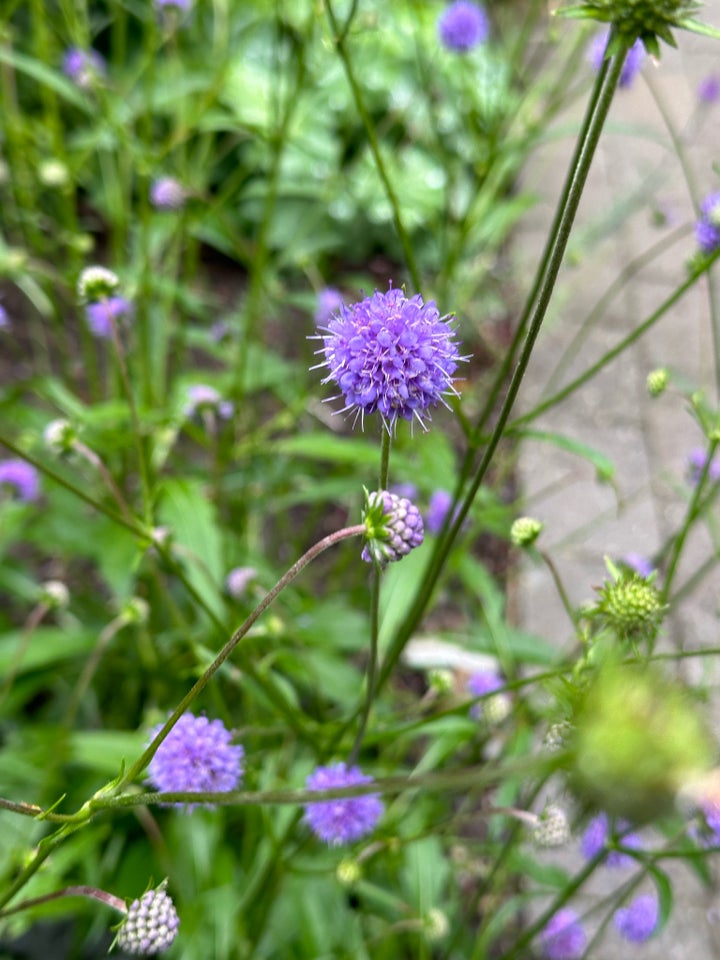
<point x="329" y="301"/>
<point x="203" y="398"/>
<point x="484" y="682"/>
<point x="707" y="228"/>
<point x="391" y="354"/>
<point x="696" y="464"/>
<point x="708" y="90"/>
<point x="595" y="838"/>
<point x="22" y="477"/>
<point x="463" y="25"/>
<point x="151" y="924"/>
<point x="197" y="755"/>
<point x="83" y="67"/>
<point x="100" y="315"/>
<point x="167" y="193"/>
<point x="637" y="921"/>
<point x="564" y="937"/>
<point x="394" y="527"/>
<point x="437" y="511"/>
<point x="345" y="820"/>
<point x="633" y="60"/>
<point x="238" y="581"/>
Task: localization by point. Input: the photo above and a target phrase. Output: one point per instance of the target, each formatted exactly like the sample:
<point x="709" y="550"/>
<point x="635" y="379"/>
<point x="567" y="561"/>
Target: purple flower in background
<point x="100" y="315"/>
<point x="22" y="476"/>
<point x="482" y="683"/>
<point x="344" y="820"/>
<point x="708" y="90"/>
<point x="696" y="464"/>
<point x="4" y="318"/>
<point x="167" y="193"/>
<point x="638" y="920"/>
<point x="595" y="838"/>
<point x="463" y="25"/>
<point x="633" y="60"/>
<point x="83" y="67"/>
<point x="638" y="563"/>
<point x="391" y="354"/>
<point x="329" y="301"/>
<point x="180" y="4"/>
<point x="563" y="937"/>
<point x="197" y="755"/>
<point x="238" y="580"/>
<point x="407" y="490"/>
<point x="707" y="833"/>
<point x="707" y="228"/>
<point x="204" y="398"/>
<point x="437" y="511"/>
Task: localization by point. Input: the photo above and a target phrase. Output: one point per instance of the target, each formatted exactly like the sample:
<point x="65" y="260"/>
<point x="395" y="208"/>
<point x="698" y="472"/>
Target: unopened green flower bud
<point x="348" y="872"/>
<point x="12" y="262"/>
<point x="151" y="924"/>
<point x="657" y="381"/>
<point x="55" y="594"/>
<point x="558" y="736"/>
<point x="436" y="925"/>
<point x="552" y="828"/>
<point x="59" y="437"/>
<point x="441" y="681"/>
<point x="525" y="531"/>
<point x="54" y="173"/>
<point x="96" y="283"/>
<point x="136" y="610"/>
<point x="638" y="741"/>
<point x="630" y="605"/>
<point x="394" y="527"/>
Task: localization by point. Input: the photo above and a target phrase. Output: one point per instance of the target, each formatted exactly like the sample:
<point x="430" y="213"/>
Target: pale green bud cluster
<point x="552" y="828"/>
<point x="525" y="531"/>
<point x="96" y="283"/>
<point x="348" y="872"/>
<point x="657" y="381"/>
<point x="638" y="741"/>
<point x="59" y="436"/>
<point x="436" y="925"/>
<point x="631" y="605"/>
<point x="55" y="594"/>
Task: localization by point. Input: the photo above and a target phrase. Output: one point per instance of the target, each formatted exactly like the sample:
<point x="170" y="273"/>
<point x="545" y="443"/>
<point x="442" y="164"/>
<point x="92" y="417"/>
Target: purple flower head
<point x="564" y="937"/>
<point x="197" y="755"/>
<point x="633" y="60"/>
<point x="329" y="301"/>
<point x="342" y="821"/>
<point x="437" y="511"/>
<point x="638" y="563"/>
<point x="463" y="26"/>
<point x="238" y="580"/>
<point x="707" y="228"/>
<point x="708" y="90"/>
<point x="100" y="315"/>
<point x="596" y="836"/>
<point x="22" y="476"/>
<point x="83" y="67"/>
<point x="391" y="354"/>
<point x="167" y="193"/>
<point x="696" y="464"/>
<point x="204" y="398"/>
<point x="151" y="924"/>
<point x="4" y="318"/>
<point x="637" y="921"/>
<point x="407" y="490"/>
<point x="394" y="527"/>
<point x="707" y="833"/>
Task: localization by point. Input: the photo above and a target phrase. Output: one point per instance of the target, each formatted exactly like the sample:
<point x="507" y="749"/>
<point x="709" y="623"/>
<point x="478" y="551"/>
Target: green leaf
<point x="105" y="750"/>
<point x="665" y="894"/>
<point x="48" y="647"/>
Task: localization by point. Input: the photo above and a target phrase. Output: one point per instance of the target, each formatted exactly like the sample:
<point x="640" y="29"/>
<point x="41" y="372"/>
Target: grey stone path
<point x="647" y="440"/>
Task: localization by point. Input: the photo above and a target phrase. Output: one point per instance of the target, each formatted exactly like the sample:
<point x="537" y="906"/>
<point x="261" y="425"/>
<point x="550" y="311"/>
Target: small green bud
<point x="136" y="610"/>
<point x="441" y="681"/>
<point x="348" y="872"/>
<point x="436" y="925"/>
<point x="638" y="741"/>
<point x="54" y="173"/>
<point x="59" y="437"/>
<point x="558" y="736"/>
<point x="96" y="283"/>
<point x="55" y="594"/>
<point x="552" y="828"/>
<point x="631" y="606"/>
<point x="657" y="381"/>
<point x="525" y="531"/>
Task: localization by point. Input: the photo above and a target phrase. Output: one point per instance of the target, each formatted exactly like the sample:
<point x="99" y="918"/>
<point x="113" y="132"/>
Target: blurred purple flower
<point x="707" y="833"/>
<point x="167" y="193"/>
<point x="437" y="511"/>
<point x="197" y="755"/>
<point x="595" y="838"/>
<point x="83" y="67"/>
<point x="391" y="354"/>
<point x="480" y="684"/>
<point x="4" y="318"/>
<point x="202" y="397"/>
<point x="638" y="563"/>
<point x="638" y="920"/>
<point x="564" y="937"/>
<point x="707" y="228"/>
<point x="696" y="464"/>
<point x="633" y="61"/>
<point x="463" y="25"/>
<point x="180" y="4"/>
<point x="22" y="476"/>
<point x="345" y="820"/>
<point x="101" y="314"/>
<point x="708" y="90"/>
<point x="407" y="490"/>
<point x="238" y="580"/>
<point x="329" y="301"/>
